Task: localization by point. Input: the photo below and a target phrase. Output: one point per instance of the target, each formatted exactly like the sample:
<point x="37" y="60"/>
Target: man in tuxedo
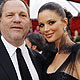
<point x="14" y="25"/>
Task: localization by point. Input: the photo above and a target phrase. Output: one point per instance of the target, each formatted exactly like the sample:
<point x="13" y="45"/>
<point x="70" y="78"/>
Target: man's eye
<point x="23" y="15"/>
<point x="41" y="25"/>
<point x="52" y="22"/>
<point x="10" y="15"/>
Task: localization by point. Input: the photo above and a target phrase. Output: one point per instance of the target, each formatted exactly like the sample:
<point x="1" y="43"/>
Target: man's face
<point x="14" y="22"/>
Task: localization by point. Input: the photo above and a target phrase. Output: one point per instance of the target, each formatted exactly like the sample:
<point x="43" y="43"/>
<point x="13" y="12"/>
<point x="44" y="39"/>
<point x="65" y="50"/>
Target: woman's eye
<point x="41" y="25"/>
<point x="52" y="22"/>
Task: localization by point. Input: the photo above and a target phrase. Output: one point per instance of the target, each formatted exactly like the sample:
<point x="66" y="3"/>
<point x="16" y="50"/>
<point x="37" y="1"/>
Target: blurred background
<point x="73" y="6"/>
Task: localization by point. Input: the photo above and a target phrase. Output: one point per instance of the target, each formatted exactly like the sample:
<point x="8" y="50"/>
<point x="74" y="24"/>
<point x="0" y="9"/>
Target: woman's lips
<point x="49" y="35"/>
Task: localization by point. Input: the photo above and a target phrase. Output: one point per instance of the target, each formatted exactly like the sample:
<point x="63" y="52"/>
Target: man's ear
<point x="30" y="25"/>
<point x="34" y="47"/>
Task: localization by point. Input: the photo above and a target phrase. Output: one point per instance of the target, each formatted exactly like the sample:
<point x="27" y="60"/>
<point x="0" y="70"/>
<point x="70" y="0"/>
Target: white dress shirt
<point x="12" y="53"/>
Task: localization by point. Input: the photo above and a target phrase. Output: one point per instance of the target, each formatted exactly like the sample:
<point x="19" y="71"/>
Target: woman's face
<point x="51" y="25"/>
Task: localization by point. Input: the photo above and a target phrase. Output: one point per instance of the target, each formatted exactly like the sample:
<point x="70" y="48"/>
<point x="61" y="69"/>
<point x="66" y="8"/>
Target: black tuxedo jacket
<point x="7" y="70"/>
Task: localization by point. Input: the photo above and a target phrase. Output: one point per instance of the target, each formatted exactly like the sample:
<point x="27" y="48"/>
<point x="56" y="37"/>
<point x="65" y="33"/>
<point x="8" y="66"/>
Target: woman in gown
<point x="52" y="25"/>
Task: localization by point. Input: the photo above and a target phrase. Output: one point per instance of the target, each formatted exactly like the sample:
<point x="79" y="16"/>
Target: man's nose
<point x="17" y="19"/>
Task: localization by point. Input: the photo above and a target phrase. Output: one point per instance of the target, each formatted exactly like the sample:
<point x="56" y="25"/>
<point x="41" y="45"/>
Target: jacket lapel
<point x="35" y="57"/>
<point x="6" y="62"/>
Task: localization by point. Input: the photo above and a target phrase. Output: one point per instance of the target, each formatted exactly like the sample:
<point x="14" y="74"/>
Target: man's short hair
<point x="4" y="1"/>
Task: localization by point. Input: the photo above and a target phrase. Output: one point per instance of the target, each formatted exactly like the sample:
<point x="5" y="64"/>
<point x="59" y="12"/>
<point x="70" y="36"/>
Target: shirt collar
<point x="10" y="48"/>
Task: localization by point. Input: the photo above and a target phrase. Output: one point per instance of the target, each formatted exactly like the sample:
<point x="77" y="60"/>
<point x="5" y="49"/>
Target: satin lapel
<point x="6" y="62"/>
<point x="36" y="63"/>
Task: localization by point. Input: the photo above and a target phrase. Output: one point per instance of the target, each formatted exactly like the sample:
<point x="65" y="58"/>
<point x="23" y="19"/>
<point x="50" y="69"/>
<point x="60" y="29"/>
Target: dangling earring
<point x="65" y="28"/>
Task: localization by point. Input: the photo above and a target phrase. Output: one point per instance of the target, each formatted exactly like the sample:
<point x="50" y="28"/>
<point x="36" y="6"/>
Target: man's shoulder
<point x="37" y="55"/>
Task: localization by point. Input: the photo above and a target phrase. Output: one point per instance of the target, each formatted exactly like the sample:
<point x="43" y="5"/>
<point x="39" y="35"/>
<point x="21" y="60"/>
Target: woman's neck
<point x="64" y="43"/>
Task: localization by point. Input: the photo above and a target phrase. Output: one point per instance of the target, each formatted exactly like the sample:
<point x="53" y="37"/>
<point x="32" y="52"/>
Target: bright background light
<point x="73" y="7"/>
